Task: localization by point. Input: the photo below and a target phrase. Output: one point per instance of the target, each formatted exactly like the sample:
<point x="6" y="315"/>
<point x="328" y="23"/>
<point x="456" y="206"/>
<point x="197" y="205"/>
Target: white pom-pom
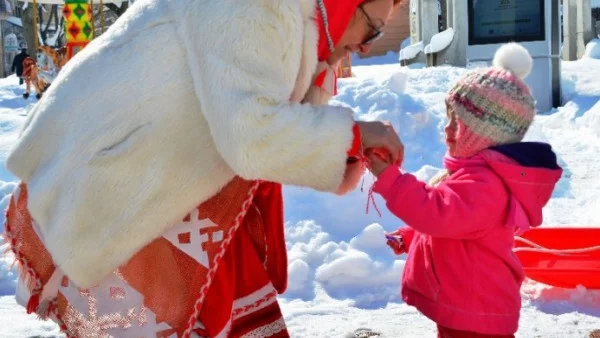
<point x="514" y="58"/>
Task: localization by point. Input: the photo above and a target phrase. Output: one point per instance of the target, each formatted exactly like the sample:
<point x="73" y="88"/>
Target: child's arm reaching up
<point x="462" y="207"/>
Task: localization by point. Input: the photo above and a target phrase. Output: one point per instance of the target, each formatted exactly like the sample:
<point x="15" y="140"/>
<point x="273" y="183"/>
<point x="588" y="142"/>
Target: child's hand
<point x="379" y="160"/>
<point x="395" y="242"/>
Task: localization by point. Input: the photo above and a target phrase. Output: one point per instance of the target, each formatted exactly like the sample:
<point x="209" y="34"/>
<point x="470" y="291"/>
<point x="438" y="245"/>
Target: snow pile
<point x="14" y="323"/>
<point x="592" y="50"/>
<point x="591" y="119"/>
<point x="13" y="112"/>
<point x="580" y="78"/>
<point x="344" y="270"/>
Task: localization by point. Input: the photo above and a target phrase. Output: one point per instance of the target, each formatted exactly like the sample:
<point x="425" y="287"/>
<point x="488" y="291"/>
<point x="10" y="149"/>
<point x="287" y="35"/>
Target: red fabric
<point x="339" y="14"/>
<point x="269" y="201"/>
<point x="444" y="332"/>
<point x="461" y="271"/>
<point x="354" y="150"/>
<point x="407" y="234"/>
<point x="240" y="274"/>
<point x="320" y="79"/>
<point x="242" y="291"/>
<point x="256" y="257"/>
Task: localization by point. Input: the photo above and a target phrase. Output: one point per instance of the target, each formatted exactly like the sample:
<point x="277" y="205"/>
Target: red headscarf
<point x="339" y="14"/>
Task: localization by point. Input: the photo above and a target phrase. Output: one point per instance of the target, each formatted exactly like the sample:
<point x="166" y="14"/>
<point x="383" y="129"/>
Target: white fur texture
<point x="514" y="58"/>
<point x="159" y="113"/>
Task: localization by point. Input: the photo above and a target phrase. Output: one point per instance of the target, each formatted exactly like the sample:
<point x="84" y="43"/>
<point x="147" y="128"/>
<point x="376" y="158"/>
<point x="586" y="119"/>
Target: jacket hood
<point x="530" y="172"/>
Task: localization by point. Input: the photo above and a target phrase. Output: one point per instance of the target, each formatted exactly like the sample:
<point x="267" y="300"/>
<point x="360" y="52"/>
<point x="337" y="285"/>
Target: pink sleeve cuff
<point x="386" y="181"/>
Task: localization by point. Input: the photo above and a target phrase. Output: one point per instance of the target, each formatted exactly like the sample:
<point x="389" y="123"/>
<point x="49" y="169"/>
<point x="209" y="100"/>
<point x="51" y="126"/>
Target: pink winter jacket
<point x="461" y="271"/>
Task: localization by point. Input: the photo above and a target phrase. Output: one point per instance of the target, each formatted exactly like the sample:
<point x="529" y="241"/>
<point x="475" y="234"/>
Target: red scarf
<point x="339" y="13"/>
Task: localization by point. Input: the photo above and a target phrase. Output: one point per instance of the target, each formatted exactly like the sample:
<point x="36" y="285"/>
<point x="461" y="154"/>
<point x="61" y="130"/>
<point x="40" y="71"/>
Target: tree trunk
<point x="28" y="31"/>
<point x="44" y="30"/>
<point x="60" y="40"/>
<point x="118" y="10"/>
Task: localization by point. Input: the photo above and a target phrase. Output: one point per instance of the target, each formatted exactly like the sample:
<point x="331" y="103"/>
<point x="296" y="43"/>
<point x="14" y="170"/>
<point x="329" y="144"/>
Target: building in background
<point x="396" y="30"/>
<point x="11" y="35"/>
<point x="596" y="16"/>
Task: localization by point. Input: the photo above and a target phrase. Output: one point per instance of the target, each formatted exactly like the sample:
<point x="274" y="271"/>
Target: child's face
<point x="450" y="130"/>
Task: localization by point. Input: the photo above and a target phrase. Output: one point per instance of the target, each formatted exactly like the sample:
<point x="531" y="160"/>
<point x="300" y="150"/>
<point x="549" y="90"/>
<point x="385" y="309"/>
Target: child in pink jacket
<point x="461" y="271"/>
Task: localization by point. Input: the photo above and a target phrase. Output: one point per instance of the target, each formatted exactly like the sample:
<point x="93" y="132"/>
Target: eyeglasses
<point x="377" y="33"/>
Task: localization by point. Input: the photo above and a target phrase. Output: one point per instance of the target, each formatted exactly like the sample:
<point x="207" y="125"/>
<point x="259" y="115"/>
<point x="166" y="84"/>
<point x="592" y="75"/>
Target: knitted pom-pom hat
<point x="493" y="106"/>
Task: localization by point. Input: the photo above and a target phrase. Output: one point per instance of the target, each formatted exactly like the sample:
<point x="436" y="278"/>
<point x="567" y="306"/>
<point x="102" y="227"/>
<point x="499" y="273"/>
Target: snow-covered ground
<point x="342" y="276"/>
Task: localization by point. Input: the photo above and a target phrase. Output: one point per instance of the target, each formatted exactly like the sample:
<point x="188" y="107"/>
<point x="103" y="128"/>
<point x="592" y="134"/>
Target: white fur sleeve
<point x="243" y="77"/>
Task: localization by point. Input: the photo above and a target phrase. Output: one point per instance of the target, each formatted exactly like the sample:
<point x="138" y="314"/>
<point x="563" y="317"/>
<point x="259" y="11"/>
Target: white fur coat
<point x="159" y="113"/>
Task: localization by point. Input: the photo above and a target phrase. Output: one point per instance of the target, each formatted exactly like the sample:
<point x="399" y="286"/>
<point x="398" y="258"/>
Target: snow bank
<point x="580" y="78"/>
<point x="15" y="323"/>
<point x="558" y="300"/>
<point x="13" y="112"/>
<point x="592" y="49"/>
<point x="363" y="270"/>
<point x="591" y="119"/>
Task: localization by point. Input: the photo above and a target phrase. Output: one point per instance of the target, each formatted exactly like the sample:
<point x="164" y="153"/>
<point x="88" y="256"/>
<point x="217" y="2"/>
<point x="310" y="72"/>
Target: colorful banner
<point x="78" y="25"/>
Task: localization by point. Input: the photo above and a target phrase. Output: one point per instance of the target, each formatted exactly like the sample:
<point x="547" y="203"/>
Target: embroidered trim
<point x="260" y="302"/>
<point x="218" y="257"/>
<point x="253" y="297"/>
<point x="53" y="311"/>
<point x="268" y="330"/>
<point x="30" y="276"/>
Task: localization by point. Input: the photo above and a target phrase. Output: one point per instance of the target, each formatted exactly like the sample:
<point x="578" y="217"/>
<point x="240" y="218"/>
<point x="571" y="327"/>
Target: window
<point x="501" y="21"/>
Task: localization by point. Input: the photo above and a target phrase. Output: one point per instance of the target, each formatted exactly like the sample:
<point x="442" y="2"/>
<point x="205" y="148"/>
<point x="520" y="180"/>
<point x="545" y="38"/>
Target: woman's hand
<point x="379" y="160"/>
<point x="378" y="134"/>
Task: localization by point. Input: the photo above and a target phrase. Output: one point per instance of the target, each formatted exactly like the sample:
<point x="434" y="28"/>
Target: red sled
<point x="562" y="257"/>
